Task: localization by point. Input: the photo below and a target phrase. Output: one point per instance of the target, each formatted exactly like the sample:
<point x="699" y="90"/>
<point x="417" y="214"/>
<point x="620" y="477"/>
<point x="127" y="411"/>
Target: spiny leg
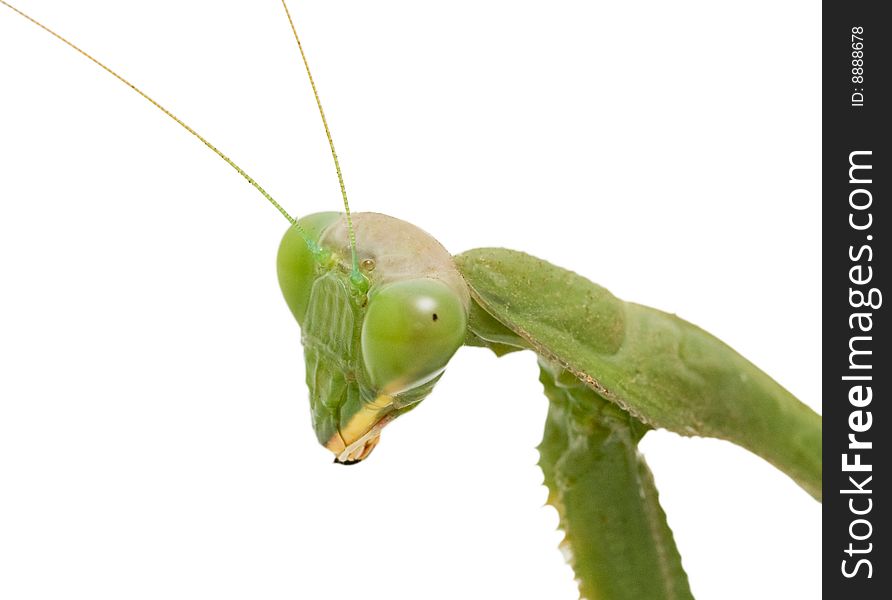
<point x="617" y="538"/>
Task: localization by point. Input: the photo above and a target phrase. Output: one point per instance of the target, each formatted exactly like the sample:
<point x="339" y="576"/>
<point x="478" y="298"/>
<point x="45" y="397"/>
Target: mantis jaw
<point x="358" y="450"/>
<point x="368" y="419"/>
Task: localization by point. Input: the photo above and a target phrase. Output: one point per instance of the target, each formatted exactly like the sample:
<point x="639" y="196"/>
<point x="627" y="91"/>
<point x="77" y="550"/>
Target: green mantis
<point x="545" y="241"/>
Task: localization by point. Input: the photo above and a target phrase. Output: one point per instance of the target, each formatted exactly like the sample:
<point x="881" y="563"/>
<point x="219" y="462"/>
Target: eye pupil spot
<point x="435" y="317"/>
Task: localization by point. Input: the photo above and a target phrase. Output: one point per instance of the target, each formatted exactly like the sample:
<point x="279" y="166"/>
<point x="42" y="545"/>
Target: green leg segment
<point x="617" y="538"/>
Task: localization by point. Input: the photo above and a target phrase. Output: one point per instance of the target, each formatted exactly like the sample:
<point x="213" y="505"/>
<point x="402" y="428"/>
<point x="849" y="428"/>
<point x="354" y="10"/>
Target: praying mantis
<point x="159" y="240"/>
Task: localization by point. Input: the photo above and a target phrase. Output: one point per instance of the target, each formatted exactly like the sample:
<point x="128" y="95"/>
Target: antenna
<point x="355" y="275"/>
<point x="310" y="243"/>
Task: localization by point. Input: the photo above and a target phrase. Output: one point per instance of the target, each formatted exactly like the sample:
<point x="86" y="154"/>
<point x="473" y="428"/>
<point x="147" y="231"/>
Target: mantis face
<point x="374" y="344"/>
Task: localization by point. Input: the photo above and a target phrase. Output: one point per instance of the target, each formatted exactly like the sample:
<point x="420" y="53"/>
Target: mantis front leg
<point x="616" y="534"/>
<point x="612" y="370"/>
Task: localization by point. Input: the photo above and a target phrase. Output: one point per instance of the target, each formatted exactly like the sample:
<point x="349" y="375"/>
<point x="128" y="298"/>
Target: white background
<point x="154" y="432"/>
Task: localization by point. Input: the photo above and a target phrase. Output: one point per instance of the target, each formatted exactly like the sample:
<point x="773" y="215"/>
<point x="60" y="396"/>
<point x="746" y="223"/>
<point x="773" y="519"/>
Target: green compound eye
<point x="296" y="264"/>
<point x="411" y="330"/>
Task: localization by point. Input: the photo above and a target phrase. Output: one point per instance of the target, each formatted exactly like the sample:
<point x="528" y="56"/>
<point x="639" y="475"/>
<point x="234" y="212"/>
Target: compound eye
<point x="296" y="264"/>
<point x="411" y="330"/>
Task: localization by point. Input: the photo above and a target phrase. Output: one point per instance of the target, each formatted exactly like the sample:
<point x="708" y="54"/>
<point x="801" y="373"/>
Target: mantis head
<point x="377" y="330"/>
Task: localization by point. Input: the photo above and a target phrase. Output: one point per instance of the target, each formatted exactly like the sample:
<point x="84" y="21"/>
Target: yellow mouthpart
<point x="364" y="428"/>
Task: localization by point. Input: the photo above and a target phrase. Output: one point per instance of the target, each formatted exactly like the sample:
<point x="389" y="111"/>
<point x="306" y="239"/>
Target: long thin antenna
<point x="356" y="274"/>
<point x="172" y="116"/>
